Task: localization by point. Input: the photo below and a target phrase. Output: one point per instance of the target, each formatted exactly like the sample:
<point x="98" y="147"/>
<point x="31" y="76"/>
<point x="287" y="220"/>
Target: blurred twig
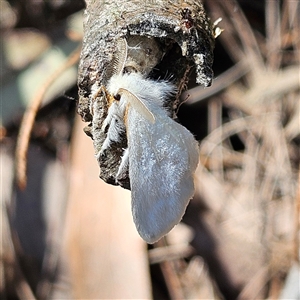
<point x="171" y="277"/>
<point x="224" y="80"/>
<point x="29" y="117"/>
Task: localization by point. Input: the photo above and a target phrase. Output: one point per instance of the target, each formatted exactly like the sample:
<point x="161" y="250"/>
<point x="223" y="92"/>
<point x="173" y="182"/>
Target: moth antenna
<point x="138" y="105"/>
<point x="119" y="58"/>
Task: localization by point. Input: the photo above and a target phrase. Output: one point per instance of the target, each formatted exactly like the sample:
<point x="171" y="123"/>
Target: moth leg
<point x="97" y="92"/>
<point x="112" y="111"/>
<point x="123" y="168"/>
<point x="114" y="133"/>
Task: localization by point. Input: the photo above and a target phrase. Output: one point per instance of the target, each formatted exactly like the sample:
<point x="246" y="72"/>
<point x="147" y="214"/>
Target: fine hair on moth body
<point x="162" y="155"/>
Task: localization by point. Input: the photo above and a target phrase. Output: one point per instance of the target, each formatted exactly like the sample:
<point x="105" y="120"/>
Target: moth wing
<point x="138" y="105"/>
<point x="162" y="161"/>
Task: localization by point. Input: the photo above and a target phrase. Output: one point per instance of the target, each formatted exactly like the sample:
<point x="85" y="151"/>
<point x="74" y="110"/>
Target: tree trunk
<point x="165" y="38"/>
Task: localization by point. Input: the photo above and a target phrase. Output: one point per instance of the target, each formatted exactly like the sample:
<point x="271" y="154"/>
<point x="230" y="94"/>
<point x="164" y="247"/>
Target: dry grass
<point x="252" y="191"/>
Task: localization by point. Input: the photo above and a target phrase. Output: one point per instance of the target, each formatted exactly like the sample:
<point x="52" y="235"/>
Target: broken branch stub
<point x="165" y="40"/>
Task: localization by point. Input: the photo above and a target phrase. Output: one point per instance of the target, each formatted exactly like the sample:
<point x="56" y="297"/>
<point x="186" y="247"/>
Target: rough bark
<point x="165" y="38"/>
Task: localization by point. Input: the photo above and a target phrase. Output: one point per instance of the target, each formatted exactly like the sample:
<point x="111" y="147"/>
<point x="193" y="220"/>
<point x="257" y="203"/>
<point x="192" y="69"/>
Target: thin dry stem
<point x="171" y="277"/>
<point x="29" y="117"/>
<point x="273" y="39"/>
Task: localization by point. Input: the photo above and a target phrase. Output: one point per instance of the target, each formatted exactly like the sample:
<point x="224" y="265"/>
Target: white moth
<point x="162" y="155"/>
